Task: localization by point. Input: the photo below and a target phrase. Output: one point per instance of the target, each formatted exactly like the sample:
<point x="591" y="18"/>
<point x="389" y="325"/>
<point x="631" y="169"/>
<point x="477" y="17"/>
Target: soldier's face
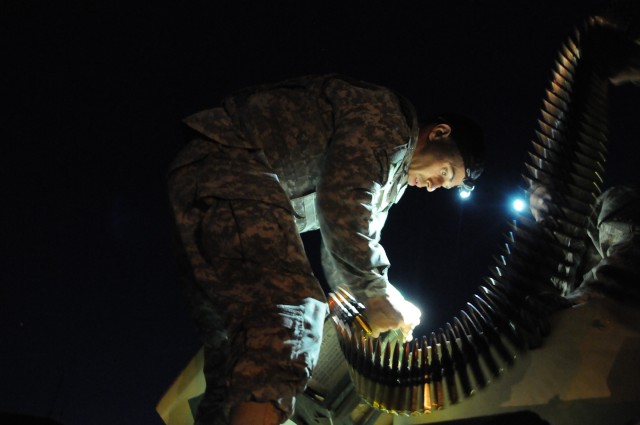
<point x="434" y="173"/>
<point x="435" y="166"/>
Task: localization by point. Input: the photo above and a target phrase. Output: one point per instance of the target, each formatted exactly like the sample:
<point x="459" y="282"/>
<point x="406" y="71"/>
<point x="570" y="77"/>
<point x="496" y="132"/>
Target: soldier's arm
<point x="355" y="168"/>
<point x="367" y="123"/>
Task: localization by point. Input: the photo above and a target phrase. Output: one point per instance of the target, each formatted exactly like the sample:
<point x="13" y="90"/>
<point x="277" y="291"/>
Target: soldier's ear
<point x="440" y="131"/>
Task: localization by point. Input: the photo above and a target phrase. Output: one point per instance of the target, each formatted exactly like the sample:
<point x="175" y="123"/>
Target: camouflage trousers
<point x="253" y="295"/>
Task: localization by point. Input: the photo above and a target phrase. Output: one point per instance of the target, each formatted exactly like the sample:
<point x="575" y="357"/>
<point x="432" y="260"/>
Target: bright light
<point x="464" y="194"/>
<point x="518" y="205"/>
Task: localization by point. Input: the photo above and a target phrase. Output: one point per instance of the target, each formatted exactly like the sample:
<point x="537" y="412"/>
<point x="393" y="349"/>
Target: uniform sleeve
<point x="367" y="124"/>
<point x="617" y="239"/>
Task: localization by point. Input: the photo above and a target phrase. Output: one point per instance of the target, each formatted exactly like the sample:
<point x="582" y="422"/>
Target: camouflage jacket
<point x="340" y="149"/>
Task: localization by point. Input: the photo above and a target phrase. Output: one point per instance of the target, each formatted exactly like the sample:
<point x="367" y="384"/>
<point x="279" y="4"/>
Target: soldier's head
<point x="449" y="153"/>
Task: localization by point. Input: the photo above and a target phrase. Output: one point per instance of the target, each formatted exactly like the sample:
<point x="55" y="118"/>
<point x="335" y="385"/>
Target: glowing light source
<point x="464" y="194"/>
<point x="518" y="205"/>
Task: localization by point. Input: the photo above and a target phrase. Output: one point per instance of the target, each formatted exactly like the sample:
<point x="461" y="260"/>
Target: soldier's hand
<point x="539" y="203"/>
<point x="628" y="74"/>
<point x="627" y="58"/>
<point x="386" y="313"/>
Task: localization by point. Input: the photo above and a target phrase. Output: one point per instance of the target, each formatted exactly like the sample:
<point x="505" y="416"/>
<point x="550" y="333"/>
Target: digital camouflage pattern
<point x="347" y="141"/>
<point x="610" y="265"/>
<point x="251" y="289"/>
<point x="320" y="152"/>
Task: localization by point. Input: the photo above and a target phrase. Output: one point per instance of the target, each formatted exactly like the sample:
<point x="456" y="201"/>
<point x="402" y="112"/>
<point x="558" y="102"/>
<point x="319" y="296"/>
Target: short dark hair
<point x="469" y="138"/>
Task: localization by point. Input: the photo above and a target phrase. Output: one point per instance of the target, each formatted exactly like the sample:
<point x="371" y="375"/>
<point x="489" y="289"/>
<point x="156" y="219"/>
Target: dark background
<point x="93" y="327"/>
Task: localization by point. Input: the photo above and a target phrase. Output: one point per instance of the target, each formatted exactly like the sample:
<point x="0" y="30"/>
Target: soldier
<point x="609" y="265"/>
<point x="317" y="152"/>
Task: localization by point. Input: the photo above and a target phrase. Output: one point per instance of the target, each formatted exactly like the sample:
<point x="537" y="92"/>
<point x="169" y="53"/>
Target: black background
<point x="93" y="327"/>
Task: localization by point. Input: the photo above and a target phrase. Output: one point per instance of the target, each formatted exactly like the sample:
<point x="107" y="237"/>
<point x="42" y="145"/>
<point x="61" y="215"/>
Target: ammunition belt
<point x="535" y="267"/>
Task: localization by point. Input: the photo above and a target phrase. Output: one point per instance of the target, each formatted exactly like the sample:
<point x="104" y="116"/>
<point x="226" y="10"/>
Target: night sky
<point x="93" y="326"/>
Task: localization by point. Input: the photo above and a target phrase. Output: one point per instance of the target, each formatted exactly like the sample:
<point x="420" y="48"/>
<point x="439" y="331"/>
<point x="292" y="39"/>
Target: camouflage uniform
<point x="611" y="264"/>
<point x="318" y="152"/>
